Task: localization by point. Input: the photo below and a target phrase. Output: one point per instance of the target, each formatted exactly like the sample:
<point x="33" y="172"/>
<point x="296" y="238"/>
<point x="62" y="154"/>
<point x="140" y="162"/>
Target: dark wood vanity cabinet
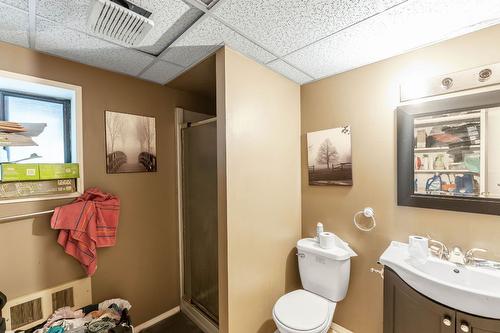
<point x="408" y="311"/>
<point x="476" y="324"/>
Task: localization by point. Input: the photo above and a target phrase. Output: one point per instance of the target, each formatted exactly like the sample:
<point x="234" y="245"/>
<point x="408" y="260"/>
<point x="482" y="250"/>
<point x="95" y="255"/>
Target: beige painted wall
<point x="365" y="98"/>
<point x="262" y="124"/>
<point x="144" y="266"/>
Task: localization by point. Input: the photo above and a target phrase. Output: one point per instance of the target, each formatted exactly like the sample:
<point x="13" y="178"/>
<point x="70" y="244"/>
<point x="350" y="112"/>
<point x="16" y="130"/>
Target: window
<point x="40" y="124"/>
<point x="53" y="144"/>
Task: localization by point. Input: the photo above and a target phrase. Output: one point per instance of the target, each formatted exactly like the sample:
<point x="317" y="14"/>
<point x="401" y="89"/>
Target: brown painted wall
<point x="143" y="267"/>
<point x="262" y="125"/>
<point x="366" y="98"/>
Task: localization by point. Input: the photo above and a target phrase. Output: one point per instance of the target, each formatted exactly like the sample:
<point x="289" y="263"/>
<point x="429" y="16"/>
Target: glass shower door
<point x="199" y="193"/>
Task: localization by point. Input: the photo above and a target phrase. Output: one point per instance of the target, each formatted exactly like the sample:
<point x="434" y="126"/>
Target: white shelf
<point x="449" y="194"/>
<point x="43" y="197"/>
<point x="443" y="149"/>
<point x="445" y="171"/>
<point x="429" y="121"/>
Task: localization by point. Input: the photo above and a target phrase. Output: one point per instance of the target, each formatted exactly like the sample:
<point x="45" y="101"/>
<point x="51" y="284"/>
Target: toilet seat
<point x="303" y="312"/>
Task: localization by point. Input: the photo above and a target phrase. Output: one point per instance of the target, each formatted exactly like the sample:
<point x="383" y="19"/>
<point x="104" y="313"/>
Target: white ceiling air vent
<point x="116" y="21"/>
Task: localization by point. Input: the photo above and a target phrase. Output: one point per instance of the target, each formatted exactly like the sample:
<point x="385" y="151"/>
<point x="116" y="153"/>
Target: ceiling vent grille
<point x="117" y="23"/>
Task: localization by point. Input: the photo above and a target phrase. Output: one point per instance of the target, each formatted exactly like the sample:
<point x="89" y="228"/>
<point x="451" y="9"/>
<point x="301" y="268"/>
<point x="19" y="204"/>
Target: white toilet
<point x="325" y="277"/>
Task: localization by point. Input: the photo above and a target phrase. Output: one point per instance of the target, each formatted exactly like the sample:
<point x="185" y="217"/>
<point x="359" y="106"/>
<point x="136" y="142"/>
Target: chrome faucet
<point x="457" y="256"/>
<point x="479" y="262"/>
<point x="438" y="248"/>
<point x="471" y="259"/>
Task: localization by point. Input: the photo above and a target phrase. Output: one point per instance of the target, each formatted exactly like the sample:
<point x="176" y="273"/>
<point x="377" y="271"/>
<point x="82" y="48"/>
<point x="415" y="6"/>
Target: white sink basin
<point x="468" y="289"/>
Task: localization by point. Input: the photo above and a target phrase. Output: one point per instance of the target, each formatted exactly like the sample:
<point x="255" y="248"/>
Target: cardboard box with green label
<point x="59" y="171"/>
<point x="45" y="171"/>
<point x="14" y="190"/>
<point x="20" y="172"/>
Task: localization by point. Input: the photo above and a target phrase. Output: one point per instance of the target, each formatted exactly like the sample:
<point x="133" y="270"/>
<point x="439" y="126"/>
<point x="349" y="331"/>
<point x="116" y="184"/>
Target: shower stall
<point x="197" y="174"/>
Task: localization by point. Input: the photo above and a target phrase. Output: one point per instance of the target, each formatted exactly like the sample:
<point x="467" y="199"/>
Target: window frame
<point x="66" y="104"/>
<point x="29" y="84"/>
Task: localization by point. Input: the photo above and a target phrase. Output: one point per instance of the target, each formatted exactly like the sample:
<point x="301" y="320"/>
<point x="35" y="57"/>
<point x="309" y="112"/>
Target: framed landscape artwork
<point x="330" y="157"/>
<point x="130" y="143"/>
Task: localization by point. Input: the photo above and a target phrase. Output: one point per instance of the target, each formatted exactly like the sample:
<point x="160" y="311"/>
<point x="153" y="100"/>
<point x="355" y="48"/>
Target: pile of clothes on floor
<point x="109" y="316"/>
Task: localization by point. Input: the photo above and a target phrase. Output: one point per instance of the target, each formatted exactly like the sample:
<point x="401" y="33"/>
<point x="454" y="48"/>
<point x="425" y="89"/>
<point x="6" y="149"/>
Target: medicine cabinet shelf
<point x="443" y="149"/>
<point x="448" y="153"/>
<point x="445" y="171"/>
<point x="444" y="193"/>
<point x="432" y="121"/>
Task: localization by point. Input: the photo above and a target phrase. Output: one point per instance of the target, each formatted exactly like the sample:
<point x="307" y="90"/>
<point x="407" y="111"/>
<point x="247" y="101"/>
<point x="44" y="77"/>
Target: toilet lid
<point x="302" y="310"/>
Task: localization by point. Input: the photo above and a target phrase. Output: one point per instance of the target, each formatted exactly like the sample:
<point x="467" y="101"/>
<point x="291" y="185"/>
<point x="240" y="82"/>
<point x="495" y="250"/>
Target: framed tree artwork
<point x="130" y="143"/>
<point x="330" y="157"/>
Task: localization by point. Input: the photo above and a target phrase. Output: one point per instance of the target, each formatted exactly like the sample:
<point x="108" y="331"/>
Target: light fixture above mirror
<point x="449" y="143"/>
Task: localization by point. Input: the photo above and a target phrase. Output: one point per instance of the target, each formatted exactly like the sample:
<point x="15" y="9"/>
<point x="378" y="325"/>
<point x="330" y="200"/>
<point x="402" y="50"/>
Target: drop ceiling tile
<point x="21" y="4"/>
<point x="202" y="3"/>
<point x="13" y="26"/>
<point x="161" y="37"/>
<point x="187" y="55"/>
<point x="287" y="25"/>
<point x="72" y="14"/>
<point x="162" y="72"/>
<point x="171" y="18"/>
<point x="289" y="71"/>
<point x="204" y="37"/>
<point x="411" y="25"/>
<point x="77" y="46"/>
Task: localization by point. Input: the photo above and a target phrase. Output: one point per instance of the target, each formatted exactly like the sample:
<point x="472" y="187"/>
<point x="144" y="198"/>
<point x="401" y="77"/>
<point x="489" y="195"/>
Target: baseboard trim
<point x="336" y="328"/>
<point x="157" y="319"/>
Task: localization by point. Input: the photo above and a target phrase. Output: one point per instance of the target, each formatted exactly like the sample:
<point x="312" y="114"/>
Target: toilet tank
<point x="324" y="272"/>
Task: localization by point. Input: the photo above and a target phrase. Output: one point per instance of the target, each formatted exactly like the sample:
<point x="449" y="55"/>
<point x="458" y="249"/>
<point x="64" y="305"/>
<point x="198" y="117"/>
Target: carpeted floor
<point x="178" y="323"/>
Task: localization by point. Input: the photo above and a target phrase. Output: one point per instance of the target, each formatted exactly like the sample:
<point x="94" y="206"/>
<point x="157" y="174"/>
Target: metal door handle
<point x="465" y="327"/>
<point x="447" y="321"/>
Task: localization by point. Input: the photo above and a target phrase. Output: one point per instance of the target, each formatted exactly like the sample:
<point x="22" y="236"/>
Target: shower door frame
<point x="197" y="316"/>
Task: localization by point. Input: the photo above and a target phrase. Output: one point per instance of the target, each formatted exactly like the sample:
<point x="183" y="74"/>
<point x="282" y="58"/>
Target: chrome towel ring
<point x="368" y="212"/>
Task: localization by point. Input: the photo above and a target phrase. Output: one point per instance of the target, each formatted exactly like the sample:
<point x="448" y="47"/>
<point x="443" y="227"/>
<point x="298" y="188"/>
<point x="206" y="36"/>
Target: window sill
<point x="42" y="198"/>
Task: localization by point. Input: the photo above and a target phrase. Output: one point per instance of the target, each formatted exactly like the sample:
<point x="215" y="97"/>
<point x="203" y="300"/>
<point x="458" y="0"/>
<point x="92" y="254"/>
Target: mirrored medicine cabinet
<point x="449" y="146"/>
